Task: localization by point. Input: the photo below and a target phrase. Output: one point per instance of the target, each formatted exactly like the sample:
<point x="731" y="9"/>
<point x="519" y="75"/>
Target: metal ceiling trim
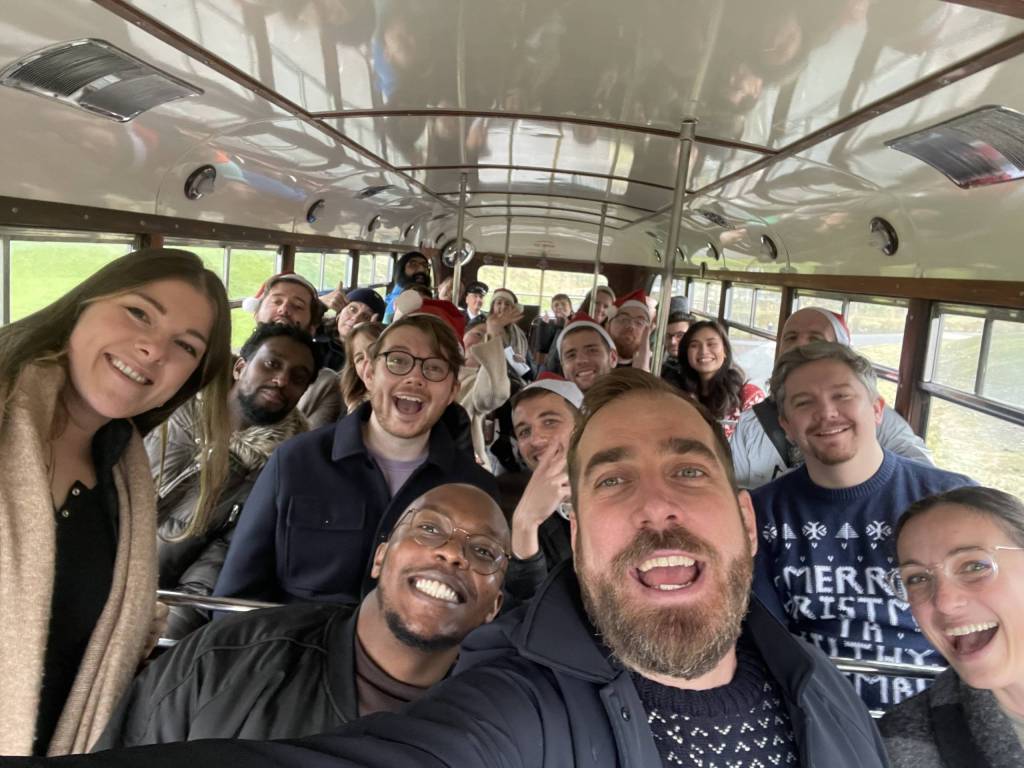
<point x="482" y="216"/>
<point x="147" y="23"/>
<point x="534" y="168"/>
<point x="581" y="211"/>
<point x="552" y="194"/>
<point x="543" y="118"/>
<point x="1004" y="7"/>
<point x="955" y="72"/>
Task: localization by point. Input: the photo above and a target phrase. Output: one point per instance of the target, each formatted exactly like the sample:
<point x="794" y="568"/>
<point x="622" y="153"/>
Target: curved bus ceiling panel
<point x="519" y="96"/>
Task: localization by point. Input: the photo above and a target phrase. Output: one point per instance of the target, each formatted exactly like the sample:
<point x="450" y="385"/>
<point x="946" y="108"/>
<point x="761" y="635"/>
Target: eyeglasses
<point x="433" y="530"/>
<point x="400" y="363"/>
<point x="970" y="568"/>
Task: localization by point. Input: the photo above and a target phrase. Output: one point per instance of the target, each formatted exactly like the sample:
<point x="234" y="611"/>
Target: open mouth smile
<point x="408" y="405"/>
<point x="436" y="589"/>
<point x="669" y="573"/>
<point x="128" y="371"/>
<point x="969" y="639"/>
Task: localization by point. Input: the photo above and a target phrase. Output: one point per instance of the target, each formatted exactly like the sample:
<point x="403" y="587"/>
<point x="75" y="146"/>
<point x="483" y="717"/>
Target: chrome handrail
<point x="925" y="671"/>
<point x="210" y="603"/>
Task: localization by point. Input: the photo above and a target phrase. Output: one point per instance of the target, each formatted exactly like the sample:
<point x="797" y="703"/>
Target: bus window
<point x="525" y="283"/>
<point x="877" y="331"/>
<point x="741" y="305"/>
<point x="981" y="446"/>
<point x="808" y="299"/>
<point x="698" y="296"/>
<point x="309" y="264"/>
<point x="375" y="270"/>
<point x="1002" y="380"/>
<point x="958" y="350"/>
<point x="752" y="317"/>
<point x="248" y="268"/>
<point x="767" y="305"/>
<point x="337" y="269"/>
<point x="44" y="270"/>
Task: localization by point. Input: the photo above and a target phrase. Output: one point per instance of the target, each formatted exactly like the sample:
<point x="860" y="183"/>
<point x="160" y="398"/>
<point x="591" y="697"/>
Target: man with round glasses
<point x="304" y="669"/>
<point x="826" y="528"/>
<point x="326" y="500"/>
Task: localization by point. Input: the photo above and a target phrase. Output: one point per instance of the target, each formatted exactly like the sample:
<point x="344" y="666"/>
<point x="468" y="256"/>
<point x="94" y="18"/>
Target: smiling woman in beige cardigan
<point x="79" y="381"/>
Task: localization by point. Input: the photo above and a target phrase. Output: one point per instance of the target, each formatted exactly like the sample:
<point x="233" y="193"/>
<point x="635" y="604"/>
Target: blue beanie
<point x="370" y="298"/>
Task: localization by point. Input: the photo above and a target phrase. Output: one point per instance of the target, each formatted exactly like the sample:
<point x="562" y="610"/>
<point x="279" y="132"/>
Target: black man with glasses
<point x="325" y="501"/>
<point x="303" y="669"/>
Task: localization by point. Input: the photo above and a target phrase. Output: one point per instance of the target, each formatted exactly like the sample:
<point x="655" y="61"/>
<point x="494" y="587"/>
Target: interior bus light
<point x="883" y="236"/>
<point x="200" y="182"/>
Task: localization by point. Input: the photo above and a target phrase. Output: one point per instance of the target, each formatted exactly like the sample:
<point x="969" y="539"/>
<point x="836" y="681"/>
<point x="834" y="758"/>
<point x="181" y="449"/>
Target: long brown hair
<point x="723" y="396"/>
<point x="353" y="390"/>
<point x="43" y="337"/>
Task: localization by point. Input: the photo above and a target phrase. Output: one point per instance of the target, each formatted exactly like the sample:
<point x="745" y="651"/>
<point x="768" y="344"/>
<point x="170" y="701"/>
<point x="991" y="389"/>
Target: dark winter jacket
<point x="193" y="564"/>
<point x="272" y="674"/>
<point x="951" y="725"/>
<point x="320" y="508"/>
<point x="538" y="690"/>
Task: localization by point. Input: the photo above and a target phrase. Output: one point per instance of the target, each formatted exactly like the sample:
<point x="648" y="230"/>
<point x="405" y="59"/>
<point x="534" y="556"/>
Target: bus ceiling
<point x="827" y="135"/>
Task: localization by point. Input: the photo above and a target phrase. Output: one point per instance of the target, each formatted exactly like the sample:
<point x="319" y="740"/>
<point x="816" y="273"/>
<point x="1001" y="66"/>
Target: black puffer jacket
<point x="193" y="564"/>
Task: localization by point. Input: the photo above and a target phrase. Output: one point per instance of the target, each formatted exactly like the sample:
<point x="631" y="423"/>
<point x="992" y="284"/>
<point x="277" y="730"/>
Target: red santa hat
<point x="839" y="326"/>
<point x="252" y="303"/>
<point x="582" y="320"/>
<point x="637" y="299"/>
<point x="412" y="302"/>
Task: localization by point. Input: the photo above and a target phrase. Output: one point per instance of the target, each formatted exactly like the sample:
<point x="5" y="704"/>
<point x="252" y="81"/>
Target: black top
<point x="86" y="547"/>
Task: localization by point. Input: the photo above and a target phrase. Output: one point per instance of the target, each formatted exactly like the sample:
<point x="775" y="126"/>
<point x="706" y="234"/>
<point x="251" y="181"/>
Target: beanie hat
<point x="839" y="326"/>
<point x="370" y="298"/>
<point x="579" y="321"/>
<point x="252" y="303"/>
<point x="637" y="299"/>
<point x="679" y="304"/>
<point x="552" y="382"/>
<point x="402" y="280"/>
<point x="412" y="303"/>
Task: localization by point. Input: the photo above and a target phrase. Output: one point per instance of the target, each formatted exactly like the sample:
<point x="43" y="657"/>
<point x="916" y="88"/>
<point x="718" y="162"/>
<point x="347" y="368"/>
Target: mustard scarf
<point x="27" y="567"/>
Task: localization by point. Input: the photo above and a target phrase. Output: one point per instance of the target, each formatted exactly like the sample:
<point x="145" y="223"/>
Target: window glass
<point x="877" y="331"/>
<point x="1003" y="380"/>
<point x="982" y="447"/>
<point x="741" y="301"/>
<point x="366" y="269"/>
<point x="307" y="264"/>
<point x="42" y="272"/>
<point x="523" y="282"/>
<point x="574" y="284"/>
<point x="382" y="268"/>
<point x="835" y="305"/>
<point x="242" y="326"/>
<point x="336" y="266"/>
<point x="958" y="348"/>
<point x="766" y="309"/>
<point x="212" y="256"/>
<point x="887" y="389"/>
<point x="698" y="296"/>
<point x="249" y="268"/>
<point x="755" y="355"/>
<point x="714" y="296"/>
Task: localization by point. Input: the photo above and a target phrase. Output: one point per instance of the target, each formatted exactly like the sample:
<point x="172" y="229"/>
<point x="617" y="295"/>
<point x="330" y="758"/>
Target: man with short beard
<point x="648" y="655"/>
<point x="304" y="669"/>
<point x="825" y="528"/>
<point x="274" y="367"/>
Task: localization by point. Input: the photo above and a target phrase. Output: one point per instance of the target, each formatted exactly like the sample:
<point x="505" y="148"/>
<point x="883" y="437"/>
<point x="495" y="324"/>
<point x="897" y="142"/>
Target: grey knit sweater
<point x="951" y="725"/>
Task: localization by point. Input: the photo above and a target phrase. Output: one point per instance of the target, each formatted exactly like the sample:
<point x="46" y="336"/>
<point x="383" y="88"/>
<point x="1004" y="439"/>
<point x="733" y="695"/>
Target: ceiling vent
<point x="983" y="147"/>
<point x="95" y="76"/>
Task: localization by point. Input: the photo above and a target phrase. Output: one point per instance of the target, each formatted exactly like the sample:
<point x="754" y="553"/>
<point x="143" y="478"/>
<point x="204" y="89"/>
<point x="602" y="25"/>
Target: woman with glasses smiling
<point x="961" y="568"/>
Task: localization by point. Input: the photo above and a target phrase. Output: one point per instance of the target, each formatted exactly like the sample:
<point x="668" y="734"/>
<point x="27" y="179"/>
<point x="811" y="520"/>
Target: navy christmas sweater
<point x="822" y="562"/>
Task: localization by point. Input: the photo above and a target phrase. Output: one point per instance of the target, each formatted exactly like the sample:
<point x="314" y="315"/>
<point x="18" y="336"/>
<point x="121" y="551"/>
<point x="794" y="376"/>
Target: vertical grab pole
<point x="457" y="275"/>
<point x="508" y="251"/>
<point x="687" y="134"/>
<point x="592" y="309"/>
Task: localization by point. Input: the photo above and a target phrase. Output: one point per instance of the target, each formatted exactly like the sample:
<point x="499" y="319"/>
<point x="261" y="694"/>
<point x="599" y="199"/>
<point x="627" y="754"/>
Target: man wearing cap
<point x="291" y="299"/>
<point x="412" y="268"/>
<point x="361" y="305"/>
<point x="679" y="321"/>
<point x="543" y="417"/>
<point x="629" y="325"/>
<point x="327" y="498"/>
<point x="761" y="451"/>
<point x="586" y="350"/>
<point x="475" y="293"/>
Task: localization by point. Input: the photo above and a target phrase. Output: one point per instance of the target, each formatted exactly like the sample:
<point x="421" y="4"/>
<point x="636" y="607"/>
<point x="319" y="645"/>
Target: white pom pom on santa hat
<point x="408" y="302"/>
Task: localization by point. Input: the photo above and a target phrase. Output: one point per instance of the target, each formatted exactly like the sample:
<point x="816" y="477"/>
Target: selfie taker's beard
<point x="679" y="641"/>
